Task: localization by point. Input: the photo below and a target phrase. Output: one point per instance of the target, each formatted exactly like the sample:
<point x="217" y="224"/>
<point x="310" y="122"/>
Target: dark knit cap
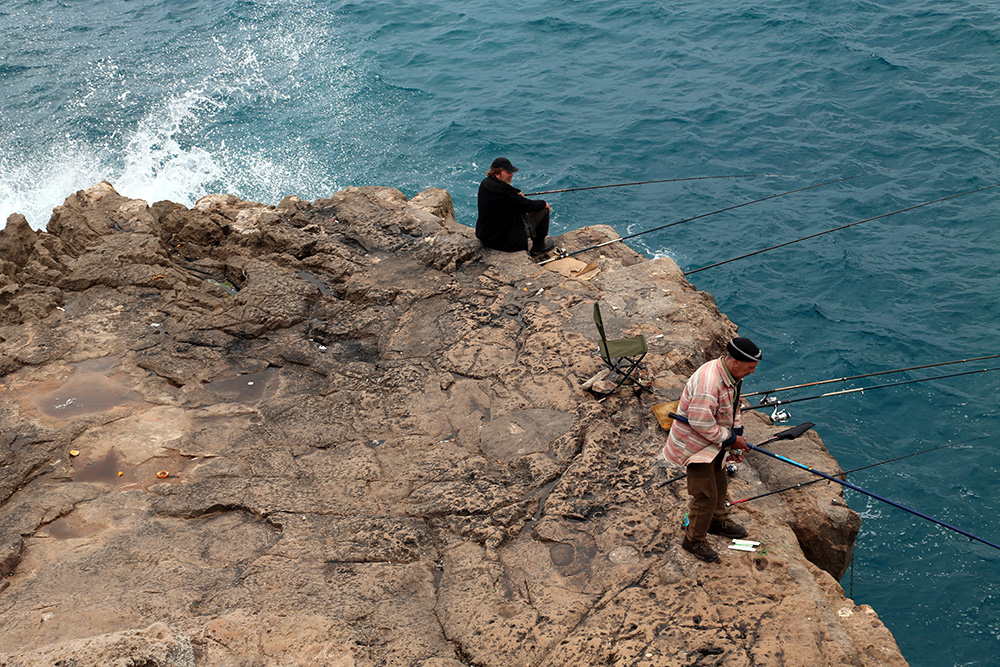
<point x="503" y="163"/>
<point x="743" y="349"/>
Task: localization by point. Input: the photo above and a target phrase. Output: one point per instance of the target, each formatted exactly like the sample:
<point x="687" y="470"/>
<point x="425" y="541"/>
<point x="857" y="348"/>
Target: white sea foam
<point x="34" y="186"/>
<point x="197" y="138"/>
<point x="154" y="165"/>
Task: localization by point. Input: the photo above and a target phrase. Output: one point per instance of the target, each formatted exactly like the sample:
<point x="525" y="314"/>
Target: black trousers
<point x="538" y="225"/>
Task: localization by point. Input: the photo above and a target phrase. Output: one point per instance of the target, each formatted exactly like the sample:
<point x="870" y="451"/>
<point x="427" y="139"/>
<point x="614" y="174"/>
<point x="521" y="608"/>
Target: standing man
<point x="711" y="403"/>
<point x="508" y="219"/>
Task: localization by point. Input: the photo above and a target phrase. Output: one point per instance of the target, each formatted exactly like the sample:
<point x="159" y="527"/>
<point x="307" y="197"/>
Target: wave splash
<point x="182" y="131"/>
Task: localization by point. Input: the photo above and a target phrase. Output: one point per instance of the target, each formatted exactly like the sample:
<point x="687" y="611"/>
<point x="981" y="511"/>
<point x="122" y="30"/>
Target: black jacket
<point x="501" y="215"/>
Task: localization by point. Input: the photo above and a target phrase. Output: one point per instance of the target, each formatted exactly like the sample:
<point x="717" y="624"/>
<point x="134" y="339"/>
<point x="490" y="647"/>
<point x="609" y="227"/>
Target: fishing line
<point x="866" y="375"/>
<point x="769" y="402"/>
<point x="662" y="180"/>
<point x="564" y="255"/>
<point x="837" y="229"/>
<point x="854" y="470"/>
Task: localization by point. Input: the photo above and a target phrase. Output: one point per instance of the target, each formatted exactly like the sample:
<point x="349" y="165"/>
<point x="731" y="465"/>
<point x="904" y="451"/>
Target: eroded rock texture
<point x="341" y="433"/>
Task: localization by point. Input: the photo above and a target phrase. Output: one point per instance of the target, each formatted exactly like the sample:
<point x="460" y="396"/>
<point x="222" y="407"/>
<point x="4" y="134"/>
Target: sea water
<point x="175" y="99"/>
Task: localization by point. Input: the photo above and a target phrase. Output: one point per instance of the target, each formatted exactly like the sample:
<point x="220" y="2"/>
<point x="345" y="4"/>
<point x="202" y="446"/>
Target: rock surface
<point x="340" y="432"/>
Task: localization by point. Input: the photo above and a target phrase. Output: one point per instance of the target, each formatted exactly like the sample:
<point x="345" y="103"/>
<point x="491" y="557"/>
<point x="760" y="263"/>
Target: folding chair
<point x="622" y="355"/>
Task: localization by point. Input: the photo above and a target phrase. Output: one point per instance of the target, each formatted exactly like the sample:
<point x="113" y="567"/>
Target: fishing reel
<point x="777" y="416"/>
<point x="780" y="416"/>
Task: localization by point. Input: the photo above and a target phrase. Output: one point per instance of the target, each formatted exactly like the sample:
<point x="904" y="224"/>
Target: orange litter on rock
<point x="162" y="474"/>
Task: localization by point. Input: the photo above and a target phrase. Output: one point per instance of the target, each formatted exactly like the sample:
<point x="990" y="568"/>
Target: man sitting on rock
<point x="507" y="219"/>
<point x="711" y="404"/>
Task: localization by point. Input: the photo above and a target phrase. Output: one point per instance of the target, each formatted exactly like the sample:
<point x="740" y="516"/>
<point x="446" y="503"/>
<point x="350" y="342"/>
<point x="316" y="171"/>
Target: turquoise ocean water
<point x="174" y="99"/>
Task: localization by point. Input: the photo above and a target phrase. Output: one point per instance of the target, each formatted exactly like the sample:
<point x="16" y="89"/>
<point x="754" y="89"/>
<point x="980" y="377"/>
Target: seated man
<point x="507" y="219"/>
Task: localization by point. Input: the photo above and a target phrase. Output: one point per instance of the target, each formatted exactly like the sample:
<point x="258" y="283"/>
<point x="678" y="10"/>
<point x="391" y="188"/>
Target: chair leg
<point x="626" y="374"/>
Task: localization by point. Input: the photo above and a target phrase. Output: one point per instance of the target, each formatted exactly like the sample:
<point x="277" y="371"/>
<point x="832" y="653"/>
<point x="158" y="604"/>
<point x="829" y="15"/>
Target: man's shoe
<point x="727" y="528"/>
<point x="540" y="248"/>
<point x="701" y="550"/>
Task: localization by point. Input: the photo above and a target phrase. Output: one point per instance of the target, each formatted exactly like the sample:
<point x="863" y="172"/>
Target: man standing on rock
<point x="508" y="219"/>
<point x="711" y="404"/>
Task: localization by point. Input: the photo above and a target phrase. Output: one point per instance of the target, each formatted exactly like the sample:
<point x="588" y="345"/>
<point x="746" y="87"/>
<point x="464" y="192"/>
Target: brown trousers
<point x="707" y="485"/>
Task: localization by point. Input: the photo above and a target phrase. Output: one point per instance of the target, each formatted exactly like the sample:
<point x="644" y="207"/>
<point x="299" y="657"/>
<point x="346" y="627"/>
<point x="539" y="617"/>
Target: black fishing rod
<point x="853" y="470"/>
<point x="831" y="478"/>
<point x="662" y="180"/>
<point x="769" y="401"/>
<point x="564" y="255"/>
<point x="837" y="229"/>
<point x="866" y="375"/>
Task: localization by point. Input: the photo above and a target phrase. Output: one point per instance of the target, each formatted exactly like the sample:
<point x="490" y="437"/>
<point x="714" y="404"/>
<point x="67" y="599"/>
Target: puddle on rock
<point x="226" y="286"/>
<point x="245" y="388"/>
<point x="70" y="527"/>
<point x="89" y="390"/>
<point x="562" y="554"/>
<point x="315" y="280"/>
<point x="572" y="558"/>
<point x="113" y="470"/>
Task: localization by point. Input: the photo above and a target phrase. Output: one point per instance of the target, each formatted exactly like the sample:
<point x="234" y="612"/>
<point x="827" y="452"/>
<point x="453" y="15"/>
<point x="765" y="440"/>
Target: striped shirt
<point x="707" y="402"/>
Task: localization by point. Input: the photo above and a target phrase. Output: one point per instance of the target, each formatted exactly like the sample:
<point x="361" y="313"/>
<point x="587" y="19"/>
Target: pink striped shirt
<point x="707" y="402"/>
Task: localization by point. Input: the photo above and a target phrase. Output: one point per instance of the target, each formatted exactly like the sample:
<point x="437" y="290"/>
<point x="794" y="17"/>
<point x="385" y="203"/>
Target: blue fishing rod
<point x="845" y="473"/>
<point x="872" y="495"/>
<point x="788" y="434"/>
<point x="796" y="431"/>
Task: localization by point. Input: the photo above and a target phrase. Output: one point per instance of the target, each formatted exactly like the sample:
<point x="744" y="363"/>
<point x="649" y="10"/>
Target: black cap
<point x="503" y="163"/>
<point x="743" y="349"/>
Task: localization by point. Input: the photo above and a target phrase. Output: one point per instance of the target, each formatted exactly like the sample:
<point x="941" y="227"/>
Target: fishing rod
<point x="853" y="470"/>
<point x="787" y="434"/>
<point x="662" y="180"/>
<point x="866" y="375"/>
<point x="771" y="402"/>
<point x="831" y="478"/>
<point x="837" y="229"/>
<point x="795" y="432"/>
<point x="564" y="255"/>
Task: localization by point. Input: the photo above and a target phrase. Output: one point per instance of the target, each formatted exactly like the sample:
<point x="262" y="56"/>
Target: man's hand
<point x="741" y="443"/>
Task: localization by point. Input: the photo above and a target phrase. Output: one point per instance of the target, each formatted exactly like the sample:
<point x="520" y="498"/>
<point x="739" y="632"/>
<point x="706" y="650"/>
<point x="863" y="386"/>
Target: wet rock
<point x="341" y="432"/>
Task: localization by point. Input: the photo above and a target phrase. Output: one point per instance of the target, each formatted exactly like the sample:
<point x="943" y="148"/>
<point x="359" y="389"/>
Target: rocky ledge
<point x="340" y="432"/>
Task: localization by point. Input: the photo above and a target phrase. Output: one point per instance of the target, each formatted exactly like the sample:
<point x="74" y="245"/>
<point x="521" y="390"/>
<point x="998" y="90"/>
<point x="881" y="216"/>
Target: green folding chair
<point x="622" y="355"/>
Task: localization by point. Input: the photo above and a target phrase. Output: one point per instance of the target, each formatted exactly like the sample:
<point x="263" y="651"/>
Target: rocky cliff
<point x="340" y="432"/>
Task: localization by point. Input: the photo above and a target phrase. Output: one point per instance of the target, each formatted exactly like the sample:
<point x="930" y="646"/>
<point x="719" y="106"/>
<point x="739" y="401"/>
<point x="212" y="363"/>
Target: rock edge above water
<point x="340" y="432"/>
